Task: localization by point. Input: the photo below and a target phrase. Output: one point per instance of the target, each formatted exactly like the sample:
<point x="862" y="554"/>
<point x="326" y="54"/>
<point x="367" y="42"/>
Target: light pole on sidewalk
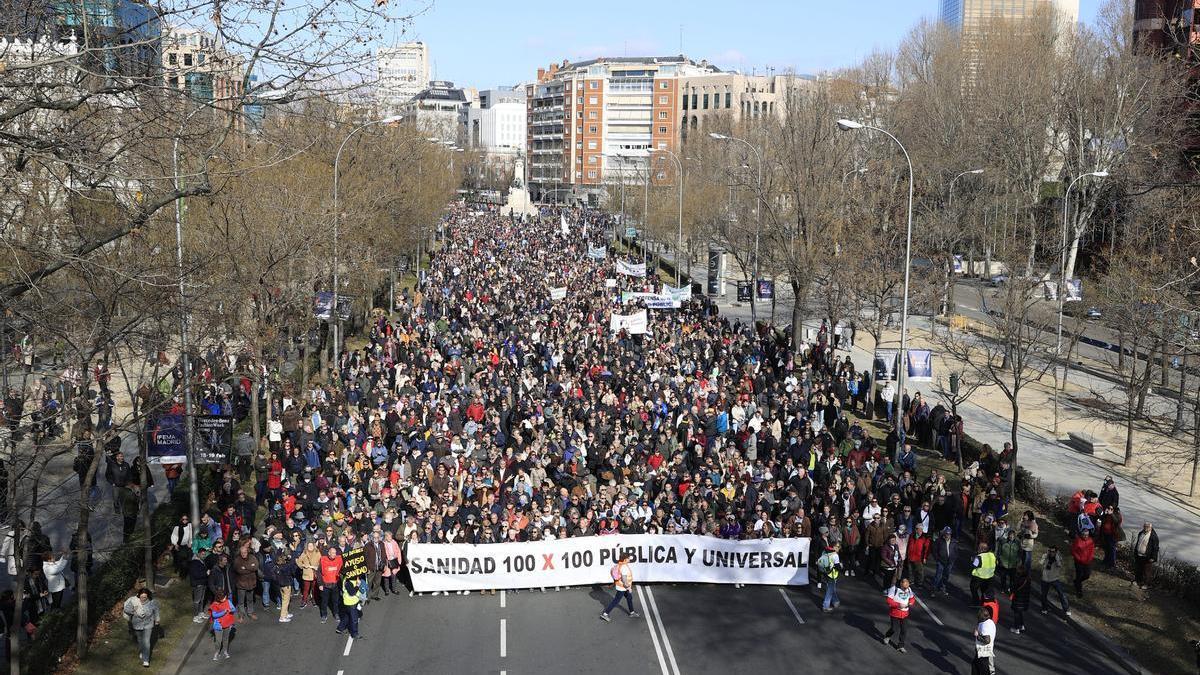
<point x="679" y="239"/>
<point x="1062" y="285"/>
<point x="902" y="370"/>
<point x="334" y="315"/>
<point x="758" y="228"/>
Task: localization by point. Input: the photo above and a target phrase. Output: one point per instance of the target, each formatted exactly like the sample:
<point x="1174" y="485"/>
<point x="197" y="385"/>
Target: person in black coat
<point x="1021" y="585"/>
<point x="198" y="579"/>
<point x="1145" y="554"/>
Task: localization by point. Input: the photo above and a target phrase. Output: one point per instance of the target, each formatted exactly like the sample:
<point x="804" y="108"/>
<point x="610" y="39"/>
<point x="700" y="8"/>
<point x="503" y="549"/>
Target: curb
<point x="1114" y="651"/>
<point x="182" y="652"/>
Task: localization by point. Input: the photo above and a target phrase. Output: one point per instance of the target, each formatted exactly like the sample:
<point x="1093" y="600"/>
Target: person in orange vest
<point x="992" y="605"/>
<point x="1083" y="550"/>
<point x="622" y="576"/>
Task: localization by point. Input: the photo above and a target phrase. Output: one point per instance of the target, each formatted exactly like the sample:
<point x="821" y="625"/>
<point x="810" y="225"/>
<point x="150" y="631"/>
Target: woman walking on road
<point x="623" y="583"/>
<point x="222" y="612"/>
<point x="142" y="613"/>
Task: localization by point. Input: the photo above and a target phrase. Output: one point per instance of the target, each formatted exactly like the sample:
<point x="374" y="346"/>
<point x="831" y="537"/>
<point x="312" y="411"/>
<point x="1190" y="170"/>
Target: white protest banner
<point x="583" y="561"/>
<point x="597" y="252"/>
<point x="610" y="283"/>
<point x="634" y="324"/>
<point x="565" y="230"/>
<point x="681" y="294"/>
<point x="558" y="293"/>
<point x="638" y="270"/>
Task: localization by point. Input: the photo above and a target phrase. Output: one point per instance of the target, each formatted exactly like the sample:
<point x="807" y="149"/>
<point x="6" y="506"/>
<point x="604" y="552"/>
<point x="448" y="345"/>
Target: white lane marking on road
<point x="662" y="629"/>
<point x="662" y="663"/>
<point x="340" y="672"/>
<point x="503" y="601"/>
<point x="926" y="608"/>
<point x="503" y="638"/>
<point x="349" y="644"/>
<point x="791" y="606"/>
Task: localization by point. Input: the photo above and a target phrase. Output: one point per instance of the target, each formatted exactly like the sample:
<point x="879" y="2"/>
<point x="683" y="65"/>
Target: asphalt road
<point x="683" y="629"/>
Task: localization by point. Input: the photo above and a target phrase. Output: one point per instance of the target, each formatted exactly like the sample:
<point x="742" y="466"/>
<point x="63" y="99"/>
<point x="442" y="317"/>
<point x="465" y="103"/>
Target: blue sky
<point x="485" y="43"/>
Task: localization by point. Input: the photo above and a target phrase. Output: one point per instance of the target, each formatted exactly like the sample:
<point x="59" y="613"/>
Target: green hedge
<point x="1174" y="576"/>
<point x="110" y="583"/>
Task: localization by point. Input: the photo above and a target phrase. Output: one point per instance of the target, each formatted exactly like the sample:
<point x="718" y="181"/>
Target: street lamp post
<point x="902" y="370"/>
<point x="679" y="235"/>
<point x="335" y="317"/>
<point x="1062" y="283"/>
<point x="758" y="227"/>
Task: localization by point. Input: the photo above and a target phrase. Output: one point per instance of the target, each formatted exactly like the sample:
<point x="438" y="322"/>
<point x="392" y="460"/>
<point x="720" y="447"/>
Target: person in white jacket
<point x="56" y="581"/>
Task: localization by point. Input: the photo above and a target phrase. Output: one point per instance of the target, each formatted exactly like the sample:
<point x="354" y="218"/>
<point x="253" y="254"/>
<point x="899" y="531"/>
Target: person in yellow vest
<point x="983" y="568"/>
<point x="352" y="597"/>
<point x="622" y="576"/>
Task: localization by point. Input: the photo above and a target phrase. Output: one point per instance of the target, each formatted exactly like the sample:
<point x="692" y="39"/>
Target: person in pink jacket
<point x="393" y="559"/>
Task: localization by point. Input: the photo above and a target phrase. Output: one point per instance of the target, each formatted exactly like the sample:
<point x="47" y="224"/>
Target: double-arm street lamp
<point x="758" y="228"/>
<point x="1062" y="285"/>
<point x="902" y="370"/>
<point x="337" y="218"/>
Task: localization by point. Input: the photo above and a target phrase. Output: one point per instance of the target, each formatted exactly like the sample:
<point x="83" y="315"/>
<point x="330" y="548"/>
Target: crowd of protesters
<point x="481" y="410"/>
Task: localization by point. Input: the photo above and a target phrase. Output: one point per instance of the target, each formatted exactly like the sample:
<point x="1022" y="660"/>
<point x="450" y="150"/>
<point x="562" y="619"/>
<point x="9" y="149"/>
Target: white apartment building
<point x="403" y="72"/>
<point x="498" y="121"/>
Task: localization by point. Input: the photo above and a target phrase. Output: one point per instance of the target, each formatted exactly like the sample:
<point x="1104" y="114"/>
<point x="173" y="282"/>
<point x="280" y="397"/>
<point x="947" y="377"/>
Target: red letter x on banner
<point x="547" y="561"/>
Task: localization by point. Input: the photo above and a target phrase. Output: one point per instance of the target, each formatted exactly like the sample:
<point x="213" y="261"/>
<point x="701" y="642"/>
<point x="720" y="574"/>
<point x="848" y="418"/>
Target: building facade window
<point x="728" y="100"/>
<point x="591" y="145"/>
<point x="591" y="114"/>
<point x="663" y="85"/>
<point x="662" y="114"/>
<point x="592" y="100"/>
<point x="706" y="101"/>
<point x="593" y="85"/>
<point x="591" y="174"/>
<point x="662" y="130"/>
<point x="591" y="129"/>
<point x="694" y="100"/>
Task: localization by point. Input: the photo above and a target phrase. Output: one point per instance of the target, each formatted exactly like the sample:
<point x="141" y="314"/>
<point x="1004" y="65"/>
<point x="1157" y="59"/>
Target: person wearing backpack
<point x="830" y="566"/>
<point x="623" y="583"/>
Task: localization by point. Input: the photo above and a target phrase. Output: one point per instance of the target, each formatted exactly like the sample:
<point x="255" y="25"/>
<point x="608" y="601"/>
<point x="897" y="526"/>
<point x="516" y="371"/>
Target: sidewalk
<point x="1062" y="470"/>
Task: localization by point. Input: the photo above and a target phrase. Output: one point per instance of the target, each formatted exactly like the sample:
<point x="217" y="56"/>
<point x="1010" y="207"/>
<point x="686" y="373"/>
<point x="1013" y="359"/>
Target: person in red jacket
<point x="900" y="599"/>
<point x="222" y="612"/>
<point x="327" y="581"/>
<point x="1083" y="550"/>
<point x="918" y="553"/>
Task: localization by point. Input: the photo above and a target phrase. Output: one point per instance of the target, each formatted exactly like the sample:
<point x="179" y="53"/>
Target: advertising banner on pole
<point x="920" y="365"/>
<point x="1074" y="290"/>
<point x="631" y="270"/>
<point x="766" y="289"/>
<point x="323" y="303"/>
<point x="634" y="324"/>
<point x="165" y="440"/>
<point x="744" y="290"/>
<point x="716" y="267"/>
<point x="887" y="362"/>
<point x="583" y="561"/>
<point x="214" y="438"/>
<point x="956" y="266"/>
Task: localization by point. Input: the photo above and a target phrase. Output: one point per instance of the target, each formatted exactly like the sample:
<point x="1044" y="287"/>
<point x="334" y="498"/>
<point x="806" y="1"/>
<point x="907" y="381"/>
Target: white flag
<point x="565" y="230"/>
<point x="631" y="270"/>
<point x="634" y="324"/>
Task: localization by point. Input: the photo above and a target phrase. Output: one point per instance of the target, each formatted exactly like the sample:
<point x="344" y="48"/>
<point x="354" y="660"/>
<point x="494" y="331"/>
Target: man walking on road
<point x="830" y="567"/>
<point x="623" y="583"/>
<point x="983" y="568"/>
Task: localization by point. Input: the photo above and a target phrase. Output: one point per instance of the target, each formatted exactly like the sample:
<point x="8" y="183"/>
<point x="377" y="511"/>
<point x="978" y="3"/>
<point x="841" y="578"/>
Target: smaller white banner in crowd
<point x="558" y="293"/>
<point x="629" y="296"/>
<point x="656" y="301"/>
<point x="597" y="252"/>
<point x="582" y="561"/>
<point x="681" y="294"/>
<point x="634" y="324"/>
<point x="631" y="270"/>
<point x="610" y="283"/>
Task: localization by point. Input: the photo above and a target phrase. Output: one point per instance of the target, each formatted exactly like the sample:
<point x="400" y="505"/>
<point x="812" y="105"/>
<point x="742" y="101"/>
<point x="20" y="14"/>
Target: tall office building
<point x="403" y="72"/>
<point x="972" y="16"/>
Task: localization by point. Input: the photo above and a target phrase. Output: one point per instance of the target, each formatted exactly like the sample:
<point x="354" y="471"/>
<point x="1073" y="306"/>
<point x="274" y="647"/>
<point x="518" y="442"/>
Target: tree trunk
<point x="1195" y="448"/>
<point x="14" y="628"/>
<point x="144" y="507"/>
<point x="81" y="554"/>
<point x="1012" y="473"/>
<point x="797" y="319"/>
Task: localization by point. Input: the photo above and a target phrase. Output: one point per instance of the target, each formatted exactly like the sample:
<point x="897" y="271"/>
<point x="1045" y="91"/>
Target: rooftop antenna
<point x="681" y="39"/>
